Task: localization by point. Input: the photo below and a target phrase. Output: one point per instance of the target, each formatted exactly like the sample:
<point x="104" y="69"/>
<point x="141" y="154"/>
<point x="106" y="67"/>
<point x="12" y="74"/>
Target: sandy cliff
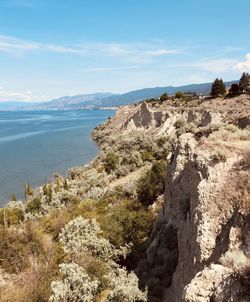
<point x="200" y="246"/>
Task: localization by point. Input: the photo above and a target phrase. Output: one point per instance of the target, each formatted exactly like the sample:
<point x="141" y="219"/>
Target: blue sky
<point x="52" y="48"/>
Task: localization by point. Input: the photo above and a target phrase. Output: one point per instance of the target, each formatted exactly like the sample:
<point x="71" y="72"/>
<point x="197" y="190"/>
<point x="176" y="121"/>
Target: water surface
<point x="34" y="144"/>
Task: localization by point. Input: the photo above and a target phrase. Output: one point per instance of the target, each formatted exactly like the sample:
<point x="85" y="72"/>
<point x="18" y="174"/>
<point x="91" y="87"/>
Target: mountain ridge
<point x="97" y="100"/>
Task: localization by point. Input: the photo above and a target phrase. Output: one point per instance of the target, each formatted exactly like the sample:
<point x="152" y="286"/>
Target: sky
<point x="53" y="48"/>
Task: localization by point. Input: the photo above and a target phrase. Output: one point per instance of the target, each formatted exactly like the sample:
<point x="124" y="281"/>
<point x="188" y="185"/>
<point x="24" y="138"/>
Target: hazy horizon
<point x="50" y="49"/>
<point x="98" y="92"/>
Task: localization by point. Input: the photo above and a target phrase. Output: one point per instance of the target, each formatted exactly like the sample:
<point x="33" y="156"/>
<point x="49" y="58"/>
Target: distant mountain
<point x="147" y="93"/>
<point x="76" y="101"/>
<point x="89" y="101"/>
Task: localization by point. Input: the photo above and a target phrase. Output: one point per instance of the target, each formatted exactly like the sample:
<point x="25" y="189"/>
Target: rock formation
<point x="200" y="246"/>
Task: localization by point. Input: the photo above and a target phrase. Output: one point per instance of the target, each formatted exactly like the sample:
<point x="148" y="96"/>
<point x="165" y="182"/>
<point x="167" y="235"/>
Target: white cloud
<point x="228" y="49"/>
<point x="161" y="52"/>
<point x="132" y="52"/>
<point x="15" y="46"/>
<point x="244" y="65"/>
<point x="110" y="69"/>
<point x="211" y="65"/>
<point x="27" y="96"/>
<point x="65" y="50"/>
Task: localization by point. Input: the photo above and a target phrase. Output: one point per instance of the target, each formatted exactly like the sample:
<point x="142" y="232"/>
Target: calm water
<point x="34" y="144"/>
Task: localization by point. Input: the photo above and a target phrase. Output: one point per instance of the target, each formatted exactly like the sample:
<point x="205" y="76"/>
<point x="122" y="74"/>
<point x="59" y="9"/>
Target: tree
<point x="244" y="85"/>
<point x="28" y="191"/>
<point x="179" y="95"/>
<point x="164" y="97"/>
<point x="13" y="197"/>
<point x="65" y="185"/>
<point x="234" y="90"/>
<point x="152" y="184"/>
<point x="218" y="88"/>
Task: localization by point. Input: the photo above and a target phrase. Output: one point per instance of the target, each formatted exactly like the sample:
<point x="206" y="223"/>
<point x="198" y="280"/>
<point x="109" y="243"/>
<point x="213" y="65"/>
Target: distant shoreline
<point x="49" y="145"/>
<point x="60" y="109"/>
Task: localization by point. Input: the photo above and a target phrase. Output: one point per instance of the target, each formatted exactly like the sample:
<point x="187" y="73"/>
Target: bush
<point x="10" y="216"/>
<point x="147" y="156"/>
<point x="75" y="285"/>
<point x="124" y="287"/>
<point x="180" y="123"/>
<point x="28" y="191"/>
<point x="162" y="141"/>
<point x="83" y="235"/>
<point x="17" y="246"/>
<point x="34" y="205"/>
<point x="111" y="162"/>
<point x="179" y="95"/>
<point x="152" y="185"/>
<point x="219" y="155"/>
<point x="164" y="97"/>
<point x="127" y="222"/>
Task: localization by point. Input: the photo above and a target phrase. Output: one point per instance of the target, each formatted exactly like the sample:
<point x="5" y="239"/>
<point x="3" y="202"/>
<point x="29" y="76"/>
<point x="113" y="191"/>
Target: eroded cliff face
<point x="200" y="246"/>
<point x="201" y="205"/>
<point x="159" y="119"/>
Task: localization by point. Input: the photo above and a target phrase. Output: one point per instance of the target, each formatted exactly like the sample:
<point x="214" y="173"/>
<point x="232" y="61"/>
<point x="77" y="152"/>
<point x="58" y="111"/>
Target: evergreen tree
<point x="218" y="88"/>
<point x="13" y="197"/>
<point x="244" y="85"/>
<point x="65" y="185"/>
<point x="164" y="97"/>
<point x="234" y="90"/>
<point x="49" y="194"/>
<point x="28" y="191"/>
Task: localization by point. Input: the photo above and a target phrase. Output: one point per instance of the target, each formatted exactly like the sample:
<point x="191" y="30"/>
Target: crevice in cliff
<point x="155" y="271"/>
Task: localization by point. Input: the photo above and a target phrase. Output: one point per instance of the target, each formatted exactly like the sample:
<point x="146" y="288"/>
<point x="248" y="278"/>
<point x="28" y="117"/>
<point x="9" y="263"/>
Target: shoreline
<point x="61" y="168"/>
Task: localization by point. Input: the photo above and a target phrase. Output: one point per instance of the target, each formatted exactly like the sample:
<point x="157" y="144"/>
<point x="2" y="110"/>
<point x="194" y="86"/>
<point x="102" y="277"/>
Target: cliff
<point x="200" y="245"/>
<point x="161" y="214"/>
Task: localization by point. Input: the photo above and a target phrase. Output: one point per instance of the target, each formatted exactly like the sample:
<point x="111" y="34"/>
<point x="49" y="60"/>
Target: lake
<point x="35" y="144"/>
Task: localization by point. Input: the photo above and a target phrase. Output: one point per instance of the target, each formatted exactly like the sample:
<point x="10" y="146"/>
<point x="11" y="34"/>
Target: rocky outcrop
<point x="161" y="119"/>
<point x="200" y="246"/>
<point x="208" y="225"/>
<point x="206" y="247"/>
<point x="199" y="249"/>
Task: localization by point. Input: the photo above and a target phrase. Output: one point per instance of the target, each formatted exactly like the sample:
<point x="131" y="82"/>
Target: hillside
<point x="162" y="213"/>
<point x="96" y="100"/>
<point x="147" y="93"/>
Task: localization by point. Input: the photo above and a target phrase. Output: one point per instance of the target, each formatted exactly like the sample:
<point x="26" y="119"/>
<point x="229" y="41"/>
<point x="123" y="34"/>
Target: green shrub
<point x="111" y="162"/>
<point x="65" y="185"/>
<point x="152" y="185"/>
<point x="164" y="97"/>
<point x="147" y="156"/>
<point x="180" y="123"/>
<point x="28" y="191"/>
<point x="34" y="205"/>
<point x="219" y="155"/>
<point x="179" y="95"/>
<point x="10" y="216"/>
<point x="162" y="141"/>
<point x="17" y="246"/>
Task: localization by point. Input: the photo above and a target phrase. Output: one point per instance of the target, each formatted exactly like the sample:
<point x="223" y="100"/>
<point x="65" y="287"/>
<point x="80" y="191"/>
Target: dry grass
<point x="231" y="133"/>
